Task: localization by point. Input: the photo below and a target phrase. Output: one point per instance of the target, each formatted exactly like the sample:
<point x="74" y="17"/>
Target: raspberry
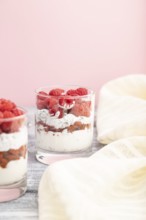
<point x="6" y="127"/>
<point x="56" y="92"/>
<point x="62" y="101"/>
<point x="51" y="102"/>
<point x="41" y="104"/>
<point x="6" y="105"/>
<point x="8" y="114"/>
<point x="72" y="92"/>
<point x="1" y="115"/>
<point x="69" y="101"/>
<point x="82" y="91"/>
<point x="65" y="102"/>
<point x="42" y="95"/>
<point x="81" y="109"/>
<point x="17" y="112"/>
<point x="61" y="113"/>
<point x="53" y="111"/>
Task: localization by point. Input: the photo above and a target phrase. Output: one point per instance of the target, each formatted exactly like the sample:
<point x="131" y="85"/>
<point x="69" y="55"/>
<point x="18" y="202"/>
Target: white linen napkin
<point x="122" y="108"/>
<point x="109" y="185"/>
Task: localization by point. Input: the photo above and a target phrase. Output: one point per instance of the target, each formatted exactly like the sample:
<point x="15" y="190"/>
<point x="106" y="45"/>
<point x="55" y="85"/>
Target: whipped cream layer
<point x="69" y="119"/>
<point x="15" y="171"/>
<point x="13" y="140"/>
<point x="64" y="141"/>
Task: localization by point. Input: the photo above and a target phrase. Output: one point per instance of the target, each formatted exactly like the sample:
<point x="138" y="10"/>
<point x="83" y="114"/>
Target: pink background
<point x="85" y="42"/>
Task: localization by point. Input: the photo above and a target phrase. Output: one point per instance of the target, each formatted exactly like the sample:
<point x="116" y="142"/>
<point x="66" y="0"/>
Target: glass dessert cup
<point x="64" y="122"/>
<point x="13" y="157"/>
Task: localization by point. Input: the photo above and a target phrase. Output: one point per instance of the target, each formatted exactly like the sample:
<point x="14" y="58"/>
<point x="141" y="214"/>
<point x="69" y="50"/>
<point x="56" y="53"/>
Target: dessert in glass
<point x="64" y="122"/>
<point x="13" y="151"/>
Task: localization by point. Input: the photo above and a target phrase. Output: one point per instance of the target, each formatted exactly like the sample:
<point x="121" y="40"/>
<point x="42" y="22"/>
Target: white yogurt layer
<point x="69" y="119"/>
<point x="13" y="140"/>
<point x="14" y="171"/>
<point x="64" y="141"/>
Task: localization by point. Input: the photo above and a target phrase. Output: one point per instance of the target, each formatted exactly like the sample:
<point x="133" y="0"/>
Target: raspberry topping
<point x="82" y="91"/>
<point x="9" y="110"/>
<point x="42" y="95"/>
<point x="40" y="104"/>
<point x="81" y="109"/>
<point x="1" y="115"/>
<point x="50" y="102"/>
<point x="76" y="92"/>
<point x="17" y="112"/>
<point x="60" y="100"/>
<point x="8" y="114"/>
<point x="72" y="92"/>
<point x="65" y="101"/>
<point x="53" y="111"/>
<point x="6" y="105"/>
<point x="56" y="92"/>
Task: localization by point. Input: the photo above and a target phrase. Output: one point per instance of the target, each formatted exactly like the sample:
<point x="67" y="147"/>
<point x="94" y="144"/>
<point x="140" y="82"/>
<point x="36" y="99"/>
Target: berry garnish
<point x="61" y="112"/>
<point x="51" y="102"/>
<point x="6" y="105"/>
<point x="6" y="127"/>
<point x="8" y="114"/>
<point x="81" y="109"/>
<point x="65" y="101"/>
<point x="8" y="110"/>
<point x="42" y="95"/>
<point x="76" y="92"/>
<point x="1" y="115"/>
<point x="40" y="104"/>
<point x="82" y="91"/>
<point x="56" y="92"/>
<point x="17" y="112"/>
<point x="72" y="92"/>
<point x="53" y="111"/>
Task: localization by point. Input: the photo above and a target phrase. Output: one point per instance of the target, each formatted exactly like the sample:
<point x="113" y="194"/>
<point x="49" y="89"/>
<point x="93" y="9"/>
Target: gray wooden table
<point x="26" y="207"/>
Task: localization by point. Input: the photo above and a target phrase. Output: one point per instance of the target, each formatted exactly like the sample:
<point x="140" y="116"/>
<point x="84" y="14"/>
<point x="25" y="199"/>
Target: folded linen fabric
<point x="122" y="108"/>
<point x="108" y="185"/>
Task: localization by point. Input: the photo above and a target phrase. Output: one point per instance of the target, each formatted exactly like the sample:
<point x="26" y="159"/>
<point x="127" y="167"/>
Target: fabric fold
<point x="108" y="185"/>
<point x="122" y="108"/>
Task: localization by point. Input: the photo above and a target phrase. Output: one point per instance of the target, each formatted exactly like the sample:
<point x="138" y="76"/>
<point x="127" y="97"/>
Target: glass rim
<point x="15" y="117"/>
<point x="41" y="88"/>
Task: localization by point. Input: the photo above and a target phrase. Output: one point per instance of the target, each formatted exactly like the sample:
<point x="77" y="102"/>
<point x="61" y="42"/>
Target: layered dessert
<point x="64" y="119"/>
<point x="13" y="141"/>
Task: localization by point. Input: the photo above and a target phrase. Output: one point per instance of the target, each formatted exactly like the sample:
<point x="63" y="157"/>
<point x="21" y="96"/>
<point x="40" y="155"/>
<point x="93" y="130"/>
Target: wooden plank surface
<point x="26" y="207"/>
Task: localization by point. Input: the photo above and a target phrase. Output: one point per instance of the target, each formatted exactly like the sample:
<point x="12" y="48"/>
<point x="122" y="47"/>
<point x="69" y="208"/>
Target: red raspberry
<point x="82" y="91"/>
<point x="81" y="109"/>
<point x="69" y="101"/>
<point x="42" y="95"/>
<point x="56" y="92"/>
<point x="8" y="114"/>
<point x="50" y="102"/>
<point x="17" y="112"/>
<point x="53" y="110"/>
<point x="1" y="115"/>
<point x="61" y="112"/>
<point x="6" y="105"/>
<point x="62" y="101"/>
<point x="41" y="104"/>
<point x="6" y="127"/>
<point x="72" y="92"/>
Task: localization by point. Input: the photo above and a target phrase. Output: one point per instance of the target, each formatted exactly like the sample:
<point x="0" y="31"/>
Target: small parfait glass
<point x="13" y="157"/>
<point x="64" y="122"/>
